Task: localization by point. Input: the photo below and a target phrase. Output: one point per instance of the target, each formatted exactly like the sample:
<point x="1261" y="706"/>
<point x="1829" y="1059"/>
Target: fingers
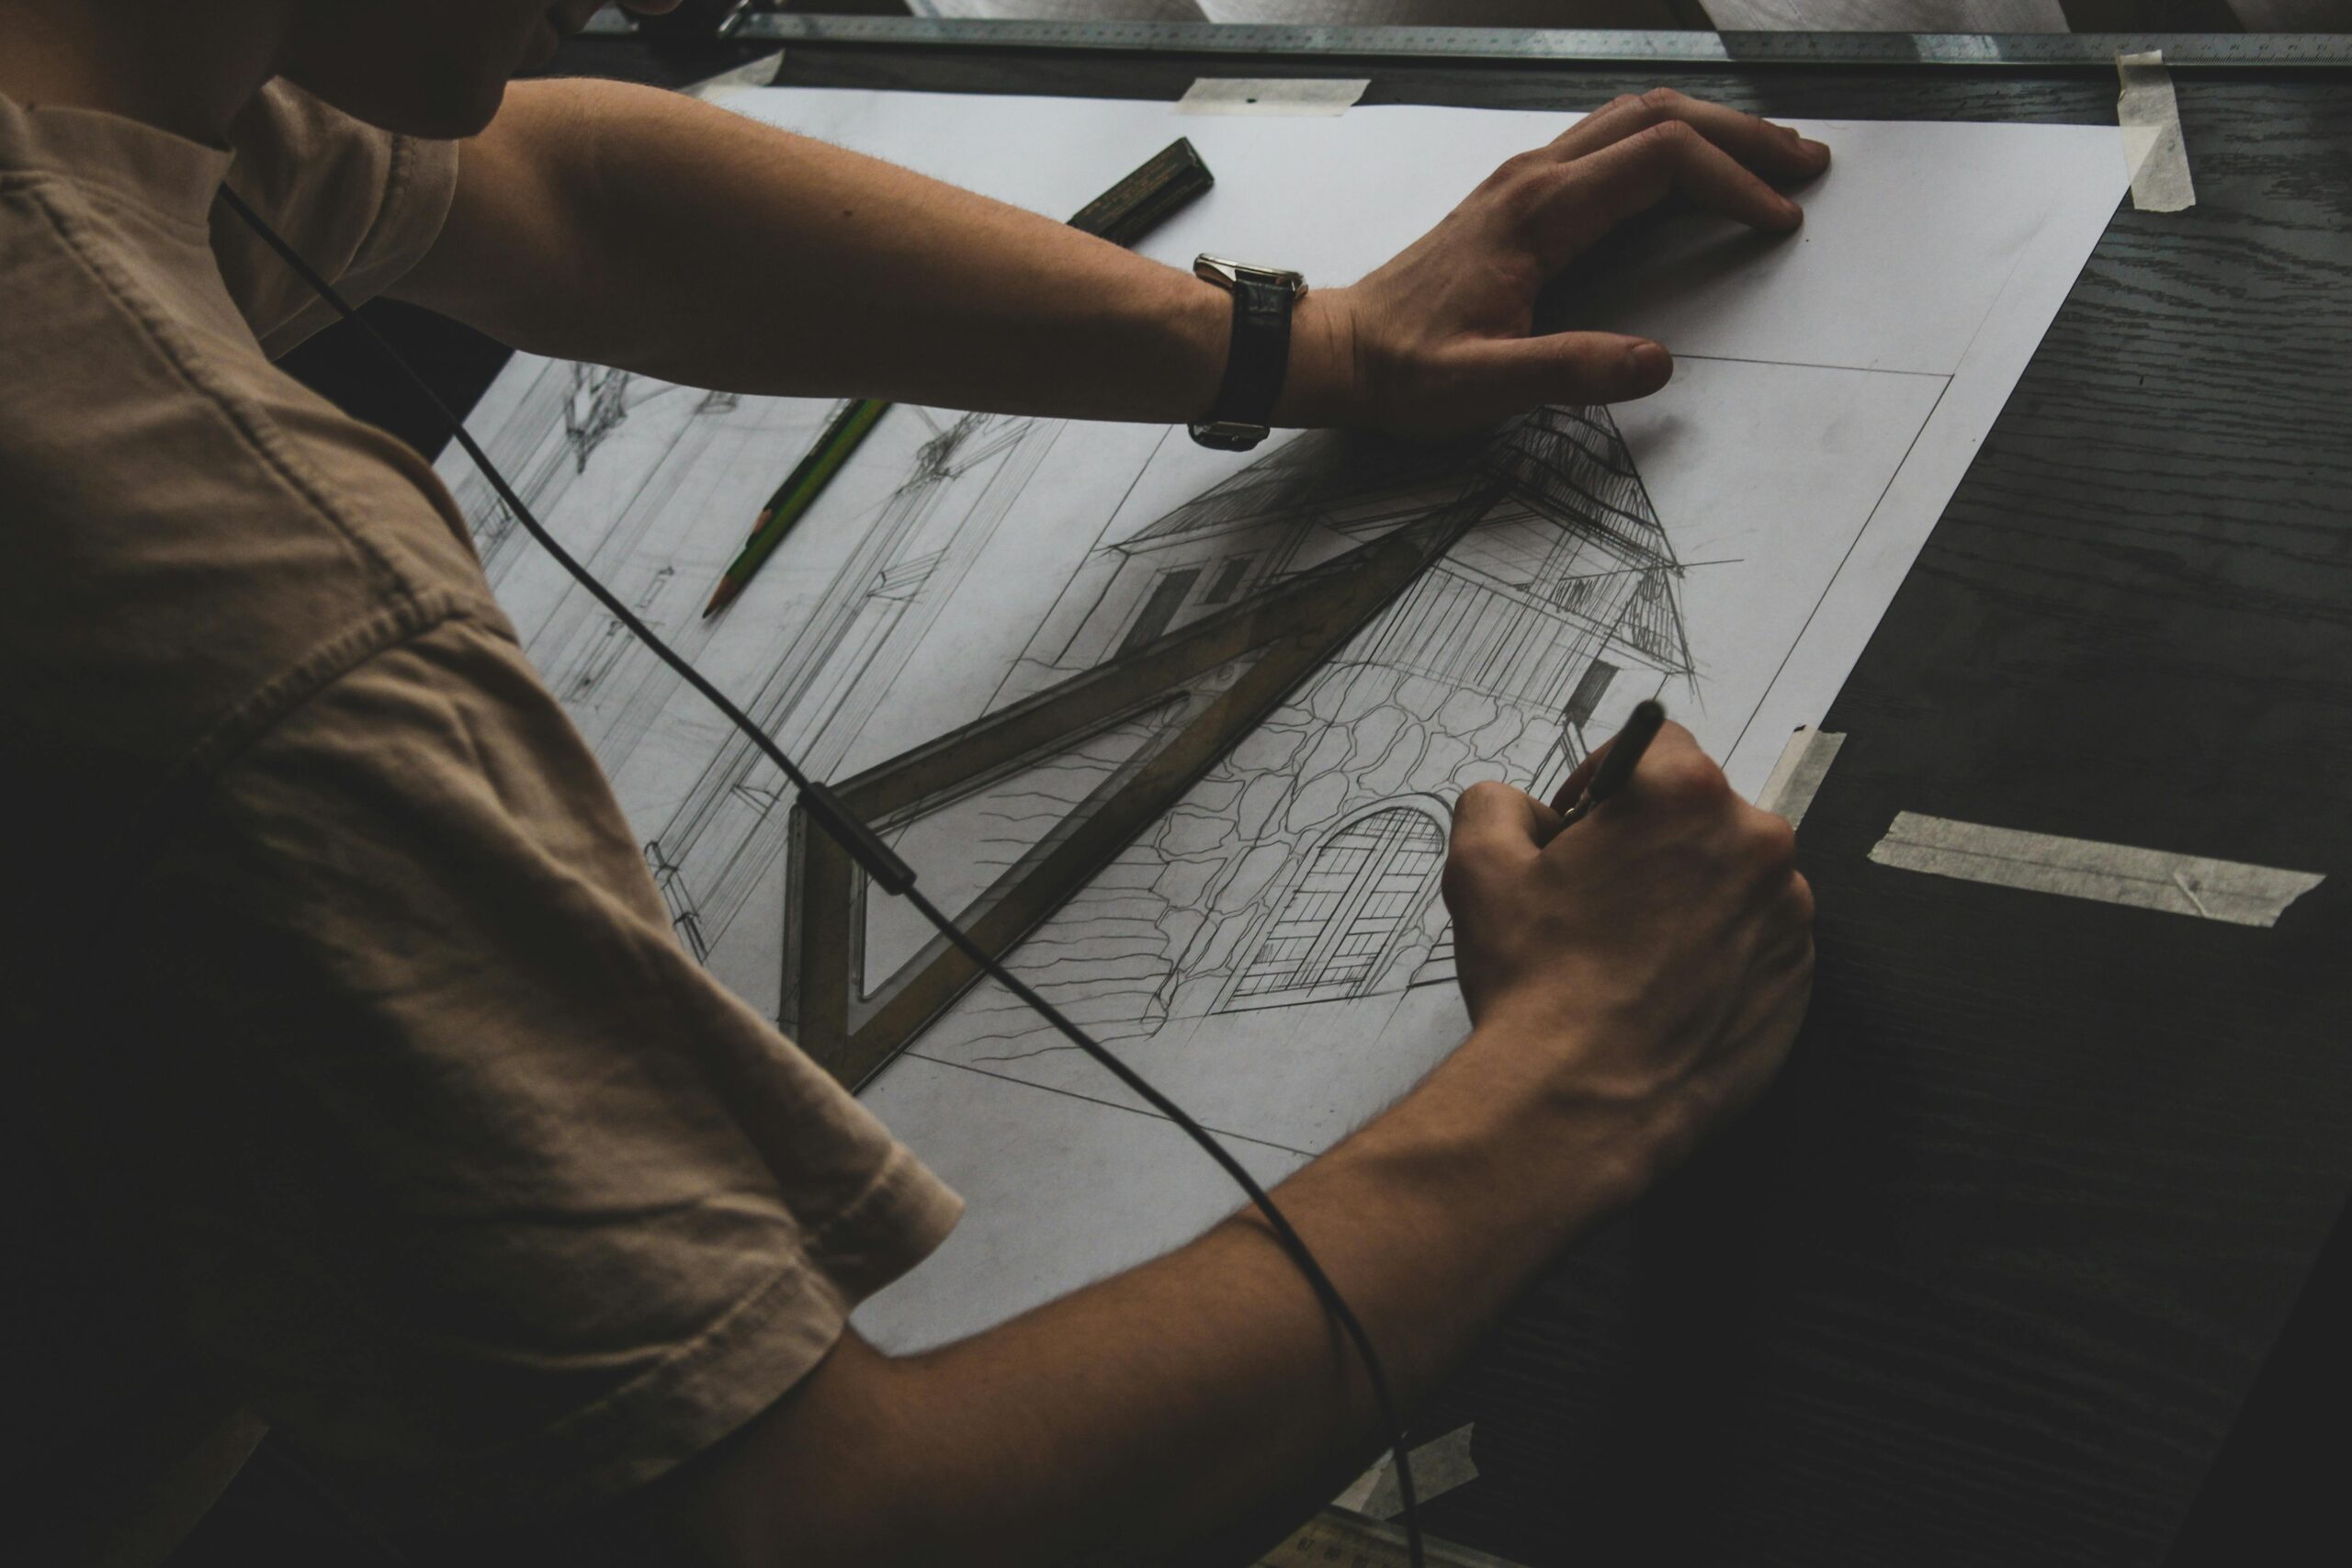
<point x="1774" y="150"/>
<point x="1595" y="194"/>
<point x="1767" y="854"/>
<point x="1568" y="367"/>
<point x="1675" y="749"/>
<point x="1495" y="825"/>
<point x="1581" y="776"/>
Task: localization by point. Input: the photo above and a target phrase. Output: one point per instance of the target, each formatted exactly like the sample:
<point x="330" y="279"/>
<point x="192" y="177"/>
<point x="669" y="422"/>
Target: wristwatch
<point x="1263" y="299"/>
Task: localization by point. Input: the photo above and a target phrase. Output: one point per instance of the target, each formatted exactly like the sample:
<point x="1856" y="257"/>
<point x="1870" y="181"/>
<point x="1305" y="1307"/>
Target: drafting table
<point x="1991" y="1273"/>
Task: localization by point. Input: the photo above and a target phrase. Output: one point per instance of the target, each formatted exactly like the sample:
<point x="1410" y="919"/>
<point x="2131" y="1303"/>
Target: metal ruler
<point x="2033" y="52"/>
<point x="1337" y="1538"/>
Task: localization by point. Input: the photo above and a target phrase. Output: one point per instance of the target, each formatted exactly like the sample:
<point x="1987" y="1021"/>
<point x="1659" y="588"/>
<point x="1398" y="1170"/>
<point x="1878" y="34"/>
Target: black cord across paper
<point x="886" y="871"/>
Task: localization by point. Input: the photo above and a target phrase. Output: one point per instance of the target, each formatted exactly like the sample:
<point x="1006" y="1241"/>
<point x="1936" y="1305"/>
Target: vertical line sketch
<point x="712" y="849"/>
<point x="813" y="681"/>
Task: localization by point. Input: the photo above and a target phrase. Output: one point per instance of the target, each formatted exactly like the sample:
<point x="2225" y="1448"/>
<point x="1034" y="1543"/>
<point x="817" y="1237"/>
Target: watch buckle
<point x="1228" y="434"/>
<point x="1226" y="274"/>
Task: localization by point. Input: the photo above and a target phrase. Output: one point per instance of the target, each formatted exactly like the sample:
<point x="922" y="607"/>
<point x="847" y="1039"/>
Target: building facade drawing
<point x="1301" y="865"/>
<point x="1306" y="733"/>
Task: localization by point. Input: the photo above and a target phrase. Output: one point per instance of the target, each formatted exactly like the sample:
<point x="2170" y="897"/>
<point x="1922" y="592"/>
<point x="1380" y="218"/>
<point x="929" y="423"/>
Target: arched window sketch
<point x="1356" y="630"/>
<point x="1367" y="881"/>
<point x="1359" y="627"/>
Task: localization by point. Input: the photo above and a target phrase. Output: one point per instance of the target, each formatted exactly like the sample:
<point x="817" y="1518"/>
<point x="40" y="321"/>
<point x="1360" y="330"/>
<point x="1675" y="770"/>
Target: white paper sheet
<point x="1272" y="952"/>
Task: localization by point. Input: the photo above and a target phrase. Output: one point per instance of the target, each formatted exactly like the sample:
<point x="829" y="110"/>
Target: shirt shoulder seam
<point x="261" y="436"/>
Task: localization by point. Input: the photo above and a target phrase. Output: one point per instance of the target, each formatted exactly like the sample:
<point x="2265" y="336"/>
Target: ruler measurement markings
<point x="2028" y="51"/>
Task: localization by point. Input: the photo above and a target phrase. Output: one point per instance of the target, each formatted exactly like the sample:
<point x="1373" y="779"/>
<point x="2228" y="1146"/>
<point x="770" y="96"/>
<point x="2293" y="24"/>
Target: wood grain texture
<point x="1985" y="1279"/>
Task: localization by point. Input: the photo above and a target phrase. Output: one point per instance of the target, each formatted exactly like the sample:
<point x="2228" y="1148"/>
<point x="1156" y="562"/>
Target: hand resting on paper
<point x="1438" y="341"/>
<point x="604" y="221"/>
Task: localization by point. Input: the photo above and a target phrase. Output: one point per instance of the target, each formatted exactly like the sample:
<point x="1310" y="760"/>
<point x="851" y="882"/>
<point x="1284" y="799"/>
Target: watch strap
<point x="1256" y="361"/>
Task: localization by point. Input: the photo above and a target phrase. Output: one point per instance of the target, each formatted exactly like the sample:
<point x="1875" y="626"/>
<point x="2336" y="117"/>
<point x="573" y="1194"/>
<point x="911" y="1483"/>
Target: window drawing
<point x="1404" y="629"/>
<point x="1329" y="639"/>
<point x="1228" y="581"/>
<point x="1329" y="935"/>
<point x="1168" y="596"/>
<point x="1576" y="715"/>
<point x="653" y="586"/>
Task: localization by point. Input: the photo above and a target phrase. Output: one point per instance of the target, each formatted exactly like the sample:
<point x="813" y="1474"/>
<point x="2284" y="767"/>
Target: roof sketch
<point x="1179" y="844"/>
<point x="1265" y="696"/>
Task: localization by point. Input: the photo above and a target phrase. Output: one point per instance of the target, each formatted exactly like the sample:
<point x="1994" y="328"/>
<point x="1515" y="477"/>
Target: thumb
<point x="1495" y="825"/>
<point x="1571" y="367"/>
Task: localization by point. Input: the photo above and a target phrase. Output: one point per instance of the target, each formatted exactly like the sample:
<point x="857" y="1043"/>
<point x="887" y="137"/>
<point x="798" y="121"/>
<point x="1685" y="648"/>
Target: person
<point x="367" y="1074"/>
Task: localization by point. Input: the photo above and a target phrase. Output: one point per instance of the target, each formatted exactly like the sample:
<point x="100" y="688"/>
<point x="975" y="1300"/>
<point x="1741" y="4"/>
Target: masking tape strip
<point x="2078" y="868"/>
<point x="1272" y="94"/>
<point x="2149" y="115"/>
<point x="1796" y="777"/>
<point x="1439" y="1466"/>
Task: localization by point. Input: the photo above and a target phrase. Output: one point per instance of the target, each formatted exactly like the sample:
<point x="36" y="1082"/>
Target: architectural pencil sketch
<point x="1557" y="602"/>
<point x="730" y="823"/>
<point x="1179" y="732"/>
<point x="1263" y="706"/>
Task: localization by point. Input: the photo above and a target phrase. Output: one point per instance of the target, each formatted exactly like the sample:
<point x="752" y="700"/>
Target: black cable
<point x="883" y="866"/>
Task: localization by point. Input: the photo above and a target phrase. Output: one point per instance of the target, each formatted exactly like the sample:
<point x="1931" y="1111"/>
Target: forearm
<point x="599" y="221"/>
<point x="651" y="232"/>
<point x="1157" y="1404"/>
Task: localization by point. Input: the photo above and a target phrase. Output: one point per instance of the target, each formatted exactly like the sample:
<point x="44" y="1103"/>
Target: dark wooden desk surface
<point x="1988" y="1277"/>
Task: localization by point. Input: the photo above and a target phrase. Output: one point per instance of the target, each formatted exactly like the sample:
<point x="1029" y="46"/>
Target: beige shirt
<point x="357" y="1056"/>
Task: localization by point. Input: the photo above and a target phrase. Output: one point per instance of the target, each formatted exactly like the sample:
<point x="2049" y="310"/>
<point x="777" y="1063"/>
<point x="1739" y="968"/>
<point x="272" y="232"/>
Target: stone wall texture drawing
<point x="1303" y="868"/>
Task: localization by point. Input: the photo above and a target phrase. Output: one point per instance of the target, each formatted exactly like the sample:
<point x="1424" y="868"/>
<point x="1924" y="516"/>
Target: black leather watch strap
<point x="1257" y="357"/>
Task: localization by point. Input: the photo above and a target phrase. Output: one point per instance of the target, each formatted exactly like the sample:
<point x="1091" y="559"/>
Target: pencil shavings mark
<point x="2173" y="884"/>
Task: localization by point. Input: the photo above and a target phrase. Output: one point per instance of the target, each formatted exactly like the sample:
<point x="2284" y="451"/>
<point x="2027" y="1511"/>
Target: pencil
<point x="1624" y="755"/>
<point x="793" y="498"/>
<point x="1172" y="180"/>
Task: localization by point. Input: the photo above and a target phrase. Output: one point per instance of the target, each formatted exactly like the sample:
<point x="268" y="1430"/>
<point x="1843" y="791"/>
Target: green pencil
<point x="794" y="496"/>
<point x="1124" y="214"/>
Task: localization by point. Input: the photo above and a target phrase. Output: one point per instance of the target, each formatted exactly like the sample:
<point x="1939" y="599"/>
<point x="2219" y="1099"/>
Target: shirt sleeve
<point x="361" y="205"/>
<point x="500" y="1204"/>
